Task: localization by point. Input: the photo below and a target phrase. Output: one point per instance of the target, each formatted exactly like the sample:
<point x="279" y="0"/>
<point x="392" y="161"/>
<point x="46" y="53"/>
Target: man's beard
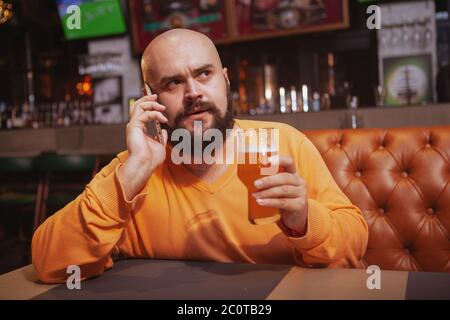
<point x="221" y="123"/>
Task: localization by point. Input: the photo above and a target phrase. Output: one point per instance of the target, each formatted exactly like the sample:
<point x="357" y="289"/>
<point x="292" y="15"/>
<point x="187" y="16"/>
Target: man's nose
<point x="192" y="91"/>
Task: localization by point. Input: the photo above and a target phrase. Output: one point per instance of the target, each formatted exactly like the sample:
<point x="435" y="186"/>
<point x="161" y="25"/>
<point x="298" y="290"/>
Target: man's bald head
<point x="177" y="45"/>
<point x="183" y="68"/>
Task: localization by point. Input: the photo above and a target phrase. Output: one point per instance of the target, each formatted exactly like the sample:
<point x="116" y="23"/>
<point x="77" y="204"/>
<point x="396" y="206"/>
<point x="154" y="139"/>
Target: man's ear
<point x="225" y="74"/>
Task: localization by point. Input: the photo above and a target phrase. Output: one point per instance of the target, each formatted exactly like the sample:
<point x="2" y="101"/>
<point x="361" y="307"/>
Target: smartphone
<point x="148" y="92"/>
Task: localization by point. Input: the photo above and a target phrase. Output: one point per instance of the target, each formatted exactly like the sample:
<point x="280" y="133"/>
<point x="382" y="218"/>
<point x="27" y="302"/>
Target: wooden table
<point x="187" y="280"/>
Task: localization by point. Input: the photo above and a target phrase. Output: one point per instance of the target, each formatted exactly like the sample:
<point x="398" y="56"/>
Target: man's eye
<point x="173" y="83"/>
<point x="205" y="73"/>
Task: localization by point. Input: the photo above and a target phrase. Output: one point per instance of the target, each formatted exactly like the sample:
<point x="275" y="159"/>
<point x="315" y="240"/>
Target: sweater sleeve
<point x="85" y="231"/>
<point x="337" y="233"/>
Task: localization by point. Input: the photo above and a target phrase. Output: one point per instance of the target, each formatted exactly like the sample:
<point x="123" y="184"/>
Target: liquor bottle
<point x="34" y="119"/>
<point x="316" y="102"/>
<point x="283" y="103"/>
<point x="69" y="110"/>
<point x="89" y="112"/>
<point x="2" y="116"/>
<point x="294" y="99"/>
<point x="9" y="112"/>
<point x="305" y="98"/>
<point x="66" y="115"/>
<point x="41" y="117"/>
<point x="60" y="112"/>
<point x="76" y="113"/>
<point x="48" y="115"/>
<point x="326" y="102"/>
<point x="54" y="114"/>
<point x="17" y="120"/>
<point x="82" y="112"/>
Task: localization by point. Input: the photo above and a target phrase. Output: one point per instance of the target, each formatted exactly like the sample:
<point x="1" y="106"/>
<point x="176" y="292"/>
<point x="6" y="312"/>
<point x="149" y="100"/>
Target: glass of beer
<point x="256" y="146"/>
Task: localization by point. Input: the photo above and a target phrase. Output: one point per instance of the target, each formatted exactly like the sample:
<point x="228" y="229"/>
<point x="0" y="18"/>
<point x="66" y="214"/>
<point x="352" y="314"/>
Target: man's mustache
<point x="195" y="107"/>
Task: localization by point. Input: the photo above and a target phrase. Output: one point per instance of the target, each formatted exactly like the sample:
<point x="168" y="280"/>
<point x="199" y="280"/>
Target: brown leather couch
<point x="400" y="180"/>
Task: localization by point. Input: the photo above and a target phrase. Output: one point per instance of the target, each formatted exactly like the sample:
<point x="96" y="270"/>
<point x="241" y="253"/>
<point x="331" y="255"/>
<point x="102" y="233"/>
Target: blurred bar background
<point x="314" y="64"/>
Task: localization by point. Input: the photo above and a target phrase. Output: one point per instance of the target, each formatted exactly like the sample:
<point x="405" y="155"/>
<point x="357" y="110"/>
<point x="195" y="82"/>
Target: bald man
<point x="144" y="205"/>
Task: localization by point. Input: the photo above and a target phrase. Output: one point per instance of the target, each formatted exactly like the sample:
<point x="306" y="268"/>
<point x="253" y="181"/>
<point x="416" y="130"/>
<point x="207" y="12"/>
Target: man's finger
<point x="284" y="161"/>
<point x="138" y="107"/>
<point x="285" y="191"/>
<point x="152" y="106"/>
<point x="288" y="204"/>
<point x="165" y="136"/>
<point x="143" y="99"/>
<point x="147" y="106"/>
<point x="278" y="179"/>
<point x="148" y="116"/>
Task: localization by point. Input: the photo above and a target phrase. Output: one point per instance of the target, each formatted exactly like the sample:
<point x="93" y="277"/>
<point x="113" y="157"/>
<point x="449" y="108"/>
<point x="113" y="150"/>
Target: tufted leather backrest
<point x="400" y="180"/>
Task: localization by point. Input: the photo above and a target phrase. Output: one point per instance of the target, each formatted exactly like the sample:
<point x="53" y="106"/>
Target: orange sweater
<point x="179" y="216"/>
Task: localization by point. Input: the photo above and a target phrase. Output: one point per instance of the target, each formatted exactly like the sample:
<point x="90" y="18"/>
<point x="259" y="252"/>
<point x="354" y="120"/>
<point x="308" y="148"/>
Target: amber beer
<point x="253" y="159"/>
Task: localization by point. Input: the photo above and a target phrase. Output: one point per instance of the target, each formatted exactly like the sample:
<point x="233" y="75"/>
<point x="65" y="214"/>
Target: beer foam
<point x="257" y="140"/>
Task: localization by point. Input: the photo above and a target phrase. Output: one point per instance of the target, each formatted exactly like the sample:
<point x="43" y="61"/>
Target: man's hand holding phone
<point x="145" y="153"/>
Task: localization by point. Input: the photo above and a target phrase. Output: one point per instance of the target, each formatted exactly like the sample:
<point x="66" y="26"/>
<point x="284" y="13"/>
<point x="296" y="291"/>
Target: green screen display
<point x="96" y="18"/>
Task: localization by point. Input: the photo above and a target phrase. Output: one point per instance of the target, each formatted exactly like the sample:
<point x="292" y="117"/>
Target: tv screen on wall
<point x="91" y="18"/>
